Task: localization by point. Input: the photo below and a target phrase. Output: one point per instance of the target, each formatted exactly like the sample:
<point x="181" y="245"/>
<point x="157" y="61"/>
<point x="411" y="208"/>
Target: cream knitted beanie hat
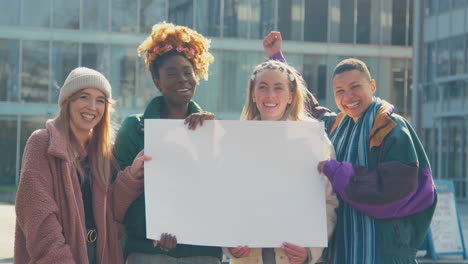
<point x="83" y="77"/>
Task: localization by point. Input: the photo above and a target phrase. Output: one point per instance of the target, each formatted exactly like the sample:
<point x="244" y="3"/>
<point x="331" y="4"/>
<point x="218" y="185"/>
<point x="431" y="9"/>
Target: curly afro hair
<point x="167" y="39"/>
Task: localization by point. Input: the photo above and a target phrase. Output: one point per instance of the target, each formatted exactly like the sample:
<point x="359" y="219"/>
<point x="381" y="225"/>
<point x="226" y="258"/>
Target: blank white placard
<point x="231" y="183"/>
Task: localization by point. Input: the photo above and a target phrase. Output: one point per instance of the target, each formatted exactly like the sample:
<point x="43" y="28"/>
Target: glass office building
<point x="441" y="78"/>
<point x="42" y="40"/>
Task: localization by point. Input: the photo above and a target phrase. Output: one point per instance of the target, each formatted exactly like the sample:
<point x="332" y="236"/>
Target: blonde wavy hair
<point x="300" y="95"/>
<point x="167" y="38"/>
<point x="99" y="145"/>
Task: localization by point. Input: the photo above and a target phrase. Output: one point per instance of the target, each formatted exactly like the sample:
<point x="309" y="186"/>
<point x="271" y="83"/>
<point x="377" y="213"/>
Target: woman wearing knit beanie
<point x="176" y="57"/>
<point x="68" y="205"/>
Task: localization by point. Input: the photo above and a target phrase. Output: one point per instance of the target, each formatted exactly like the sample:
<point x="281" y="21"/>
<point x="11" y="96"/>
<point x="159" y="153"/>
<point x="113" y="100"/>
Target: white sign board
<point x="231" y="183"/>
<point x="445" y="230"/>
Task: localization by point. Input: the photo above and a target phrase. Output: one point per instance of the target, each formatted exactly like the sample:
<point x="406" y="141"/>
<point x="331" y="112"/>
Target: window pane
<point x="95" y="56"/>
<point x="466" y="53"/>
<point x="208" y="18"/>
<point x="36" y="13"/>
<point x="8" y="143"/>
<point x="262" y="18"/>
<point x="442" y="58"/>
<point x="458" y="3"/>
<point x="124" y="16"/>
<point x="9" y="13"/>
<point x="315" y="75"/>
<point x="363" y="21"/>
<point x="64" y="60"/>
<point x="347" y="21"/>
<point x="290" y="19"/>
<point x="35" y="72"/>
<point x="457" y="55"/>
<point x="9" y="58"/>
<point x="398" y="91"/>
<point x="146" y="89"/>
<point x="181" y="12"/>
<point x="444" y="5"/>
<point x="123" y="74"/>
<point x="411" y="23"/>
<point x="66" y="14"/>
<point x="151" y="12"/>
<point x="399" y="22"/>
<point x="236" y="18"/>
<point x="316" y="20"/>
<point x="95" y="15"/>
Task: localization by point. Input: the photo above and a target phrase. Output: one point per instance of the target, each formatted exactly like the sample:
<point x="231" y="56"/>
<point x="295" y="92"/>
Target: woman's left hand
<point x="295" y="254"/>
<point x="197" y="118"/>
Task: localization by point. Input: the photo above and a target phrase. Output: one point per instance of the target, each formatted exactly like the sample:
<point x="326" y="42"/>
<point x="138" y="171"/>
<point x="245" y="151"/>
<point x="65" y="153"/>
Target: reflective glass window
<point x="123" y="74"/>
<point x="35" y="71"/>
<point x="316" y="20"/>
<point x="95" y="15"/>
<point x="466" y="53"/>
<point x="442" y="57"/>
<point x="146" y="89"/>
<point x="236" y="18"/>
<point x="398" y="92"/>
<point x="291" y="19"/>
<point x="399" y="22"/>
<point x="9" y="67"/>
<point x="66" y="14"/>
<point x="151" y="12"/>
<point x="124" y="15"/>
<point x="444" y="5"/>
<point x="347" y="21"/>
<point x="64" y="60"/>
<point x="36" y="13"/>
<point x="96" y="56"/>
<point x="363" y="21"/>
<point x="181" y="12"/>
<point x="315" y="75"/>
<point x="9" y="13"/>
<point x="262" y="18"/>
<point x="457" y="55"/>
<point x="8" y="146"/>
<point x="458" y="3"/>
<point x="208" y="17"/>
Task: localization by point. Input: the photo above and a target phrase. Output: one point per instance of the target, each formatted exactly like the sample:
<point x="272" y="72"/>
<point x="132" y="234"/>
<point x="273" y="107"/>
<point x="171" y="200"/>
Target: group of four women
<point x="78" y="188"/>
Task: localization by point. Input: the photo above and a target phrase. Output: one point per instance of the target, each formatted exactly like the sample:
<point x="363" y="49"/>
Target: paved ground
<point x="7" y="230"/>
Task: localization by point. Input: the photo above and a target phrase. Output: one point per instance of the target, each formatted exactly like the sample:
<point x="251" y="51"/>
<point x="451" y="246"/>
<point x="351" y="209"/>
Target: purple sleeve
<point x="279" y="57"/>
<point x="392" y="190"/>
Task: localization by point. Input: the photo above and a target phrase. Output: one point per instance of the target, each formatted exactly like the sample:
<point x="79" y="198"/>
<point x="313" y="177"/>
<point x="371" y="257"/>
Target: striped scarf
<point x="355" y="234"/>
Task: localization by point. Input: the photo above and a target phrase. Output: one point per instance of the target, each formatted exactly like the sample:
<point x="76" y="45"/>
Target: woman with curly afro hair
<point x="176" y="57"/>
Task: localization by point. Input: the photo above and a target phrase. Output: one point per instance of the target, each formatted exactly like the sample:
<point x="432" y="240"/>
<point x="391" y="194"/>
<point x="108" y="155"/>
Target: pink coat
<point x="50" y="220"/>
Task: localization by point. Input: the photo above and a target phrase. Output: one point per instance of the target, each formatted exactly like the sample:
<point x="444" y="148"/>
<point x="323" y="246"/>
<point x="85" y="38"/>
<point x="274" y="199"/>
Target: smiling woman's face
<point x="272" y="94"/>
<point x="353" y="93"/>
<point x="177" y="81"/>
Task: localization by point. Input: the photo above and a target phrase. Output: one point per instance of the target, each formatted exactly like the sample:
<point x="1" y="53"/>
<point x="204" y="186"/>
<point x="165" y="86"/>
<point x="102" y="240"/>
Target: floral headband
<point x="156" y="51"/>
<point x="281" y="69"/>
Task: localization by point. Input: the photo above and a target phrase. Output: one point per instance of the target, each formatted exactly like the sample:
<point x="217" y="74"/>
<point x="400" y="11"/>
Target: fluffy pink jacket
<point x="50" y="221"/>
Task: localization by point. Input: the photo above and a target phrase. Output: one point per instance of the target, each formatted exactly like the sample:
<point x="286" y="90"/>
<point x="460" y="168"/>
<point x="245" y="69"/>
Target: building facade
<point x="42" y="40"/>
<point x="441" y="79"/>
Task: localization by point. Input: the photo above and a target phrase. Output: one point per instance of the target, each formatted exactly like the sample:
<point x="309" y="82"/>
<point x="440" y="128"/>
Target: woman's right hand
<point x="272" y="43"/>
<point x="136" y="170"/>
<point x="166" y="242"/>
<point x="240" y="251"/>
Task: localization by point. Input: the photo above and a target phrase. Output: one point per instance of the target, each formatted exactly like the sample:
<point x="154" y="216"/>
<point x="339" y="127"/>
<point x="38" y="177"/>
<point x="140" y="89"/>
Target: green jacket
<point x="129" y="142"/>
<point x="393" y="139"/>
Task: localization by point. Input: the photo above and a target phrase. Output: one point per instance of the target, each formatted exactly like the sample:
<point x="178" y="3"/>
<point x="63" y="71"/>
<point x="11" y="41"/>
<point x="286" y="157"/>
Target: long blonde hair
<point x="99" y="145"/>
<point x="294" y="111"/>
